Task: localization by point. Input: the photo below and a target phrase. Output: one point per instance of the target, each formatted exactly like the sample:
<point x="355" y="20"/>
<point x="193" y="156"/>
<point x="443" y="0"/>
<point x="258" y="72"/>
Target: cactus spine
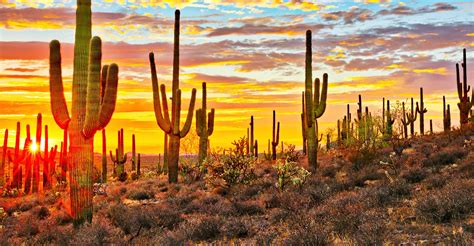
<point x="275" y="137"/>
<point x="446" y="116"/>
<point x="93" y="103"/>
<point x="315" y="104"/>
<point x="172" y="127"/>
<point x="421" y="110"/>
<point x="104" y="156"/>
<point x="120" y="158"/>
<point x="465" y="103"/>
<point x="4" y="157"/>
<point x="204" y="125"/>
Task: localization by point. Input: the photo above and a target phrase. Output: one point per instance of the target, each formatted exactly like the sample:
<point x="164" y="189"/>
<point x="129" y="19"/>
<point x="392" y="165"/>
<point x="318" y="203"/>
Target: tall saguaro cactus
<point x="446" y="116"/>
<point x="94" y="96"/>
<point x="420" y="108"/>
<point x="465" y="103"/>
<point x="4" y="157"/>
<point x="315" y="104"/>
<point x="204" y="125"/>
<point x="275" y="137"/>
<point x="171" y="126"/>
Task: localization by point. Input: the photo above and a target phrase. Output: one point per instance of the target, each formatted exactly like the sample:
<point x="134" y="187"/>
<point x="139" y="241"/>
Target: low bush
<point x="139" y="194"/>
<point x="444" y="157"/>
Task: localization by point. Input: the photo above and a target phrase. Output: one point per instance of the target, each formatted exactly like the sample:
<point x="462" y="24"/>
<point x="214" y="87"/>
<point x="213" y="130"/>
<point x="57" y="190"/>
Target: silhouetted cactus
<point x="255" y="149"/>
<point x="172" y="126"/>
<point x="404" y="121"/>
<point x="389" y="122"/>
<point x="252" y="136"/>
<point x="104" y="156"/>
<point x="275" y="137"/>
<point x="411" y="118"/>
<point x="421" y="110"/>
<point x="134" y="154"/>
<point x="138" y="165"/>
<point x="465" y="103"/>
<point x="4" y="157"/>
<point x="431" y="126"/>
<point x="315" y="104"/>
<point x="120" y="158"/>
<point x="446" y="116"/>
<point x="92" y="109"/>
<point x="18" y="156"/>
<point x="204" y="125"/>
<point x="48" y="160"/>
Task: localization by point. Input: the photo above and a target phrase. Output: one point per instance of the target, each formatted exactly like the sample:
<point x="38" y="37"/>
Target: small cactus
<point x="446" y="116"/>
<point x="405" y="122"/>
<point x="421" y="110"/>
<point x="411" y="118"/>
<point x="134" y="154"/>
<point x="389" y="122"/>
<point x="120" y="158"/>
<point x="275" y="137"/>
<point x="252" y="136"/>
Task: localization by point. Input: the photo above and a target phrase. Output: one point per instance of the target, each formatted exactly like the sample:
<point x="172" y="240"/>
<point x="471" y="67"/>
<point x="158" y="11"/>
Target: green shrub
<point x="290" y="173"/>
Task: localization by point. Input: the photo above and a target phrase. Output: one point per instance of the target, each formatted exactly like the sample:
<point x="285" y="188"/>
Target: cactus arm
<point x="107" y="107"/>
<point x="162" y="123"/>
<point x="112" y="156"/>
<point x="58" y="102"/>
<point x="103" y="82"/>
<point x="278" y="134"/>
<point x="210" y="122"/>
<point x="124" y="159"/>
<point x="319" y="111"/>
<point x="189" y="119"/>
<point x="458" y="82"/>
<point x="93" y="88"/>
<point x="317" y="85"/>
<point x="164" y="101"/>
<point x="176" y="111"/>
<point x="199" y="126"/>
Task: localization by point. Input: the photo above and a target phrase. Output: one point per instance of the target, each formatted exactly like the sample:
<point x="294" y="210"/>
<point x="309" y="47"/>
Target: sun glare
<point x="34" y="147"/>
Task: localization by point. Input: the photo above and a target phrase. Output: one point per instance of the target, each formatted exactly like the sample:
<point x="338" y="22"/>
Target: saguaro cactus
<point x="204" y="125"/>
<point x="48" y="160"/>
<point x="120" y="157"/>
<point x="134" y="153"/>
<point x="446" y="116"/>
<point x="93" y="103"/>
<point x="36" y="163"/>
<point x="138" y="165"/>
<point x="315" y="104"/>
<point x="389" y="122"/>
<point x="172" y="126"/>
<point x="252" y="136"/>
<point x="411" y="118"/>
<point x="104" y="156"/>
<point x="4" y="157"/>
<point x="18" y="156"/>
<point x="28" y="159"/>
<point x="405" y="122"/>
<point x="275" y="137"/>
<point x="303" y="123"/>
<point x="255" y="149"/>
<point x="63" y="157"/>
<point x="465" y="103"/>
<point x="421" y="110"/>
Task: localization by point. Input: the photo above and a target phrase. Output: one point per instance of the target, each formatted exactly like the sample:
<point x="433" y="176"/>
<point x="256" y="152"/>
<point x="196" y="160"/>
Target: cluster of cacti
<point x="204" y="125"/>
<point x="275" y="137"/>
<point x="19" y="156"/>
<point x="315" y="104"/>
<point x="120" y="158"/>
<point x="93" y="103"/>
<point x="446" y="116"/>
<point x="421" y="111"/>
<point x="465" y="102"/>
<point x="172" y="126"/>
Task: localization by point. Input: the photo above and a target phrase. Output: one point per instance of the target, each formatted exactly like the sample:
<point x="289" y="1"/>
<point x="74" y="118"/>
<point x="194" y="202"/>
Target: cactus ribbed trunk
<point x="204" y="125"/>
<point x="465" y="103"/>
<point x="104" y="157"/>
<point x="173" y="158"/>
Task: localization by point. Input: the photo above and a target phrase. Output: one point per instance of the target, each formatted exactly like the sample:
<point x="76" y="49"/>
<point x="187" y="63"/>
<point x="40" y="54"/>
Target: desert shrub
<point x="329" y="171"/>
<point x="62" y="218"/>
<point x="386" y="194"/>
<point x="414" y="175"/>
<point x="290" y="154"/>
<point x="358" y="178"/>
<point x="29" y="228"/>
<point x="41" y="212"/>
<point x="248" y="192"/>
<point x="307" y="232"/>
<point x="247" y="208"/>
<point x="436" y="181"/>
<point x="54" y="237"/>
<point x="133" y="219"/>
<point x="371" y="229"/>
<point x="318" y="193"/>
<point x="444" y="157"/>
<point x="190" y="169"/>
<point x="180" y="201"/>
<point x="235" y="228"/>
<point x="95" y="234"/>
<point x="454" y="201"/>
<point x="139" y="194"/>
<point x="290" y="173"/>
<point x="228" y="170"/>
<point x="362" y="157"/>
<point x="22" y="206"/>
<point x="202" y="230"/>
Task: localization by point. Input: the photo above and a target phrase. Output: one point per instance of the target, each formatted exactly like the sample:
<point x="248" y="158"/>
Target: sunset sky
<point x="251" y="54"/>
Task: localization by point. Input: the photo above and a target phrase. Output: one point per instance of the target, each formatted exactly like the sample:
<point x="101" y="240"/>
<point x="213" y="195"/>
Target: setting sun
<point x="34" y="147"/>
